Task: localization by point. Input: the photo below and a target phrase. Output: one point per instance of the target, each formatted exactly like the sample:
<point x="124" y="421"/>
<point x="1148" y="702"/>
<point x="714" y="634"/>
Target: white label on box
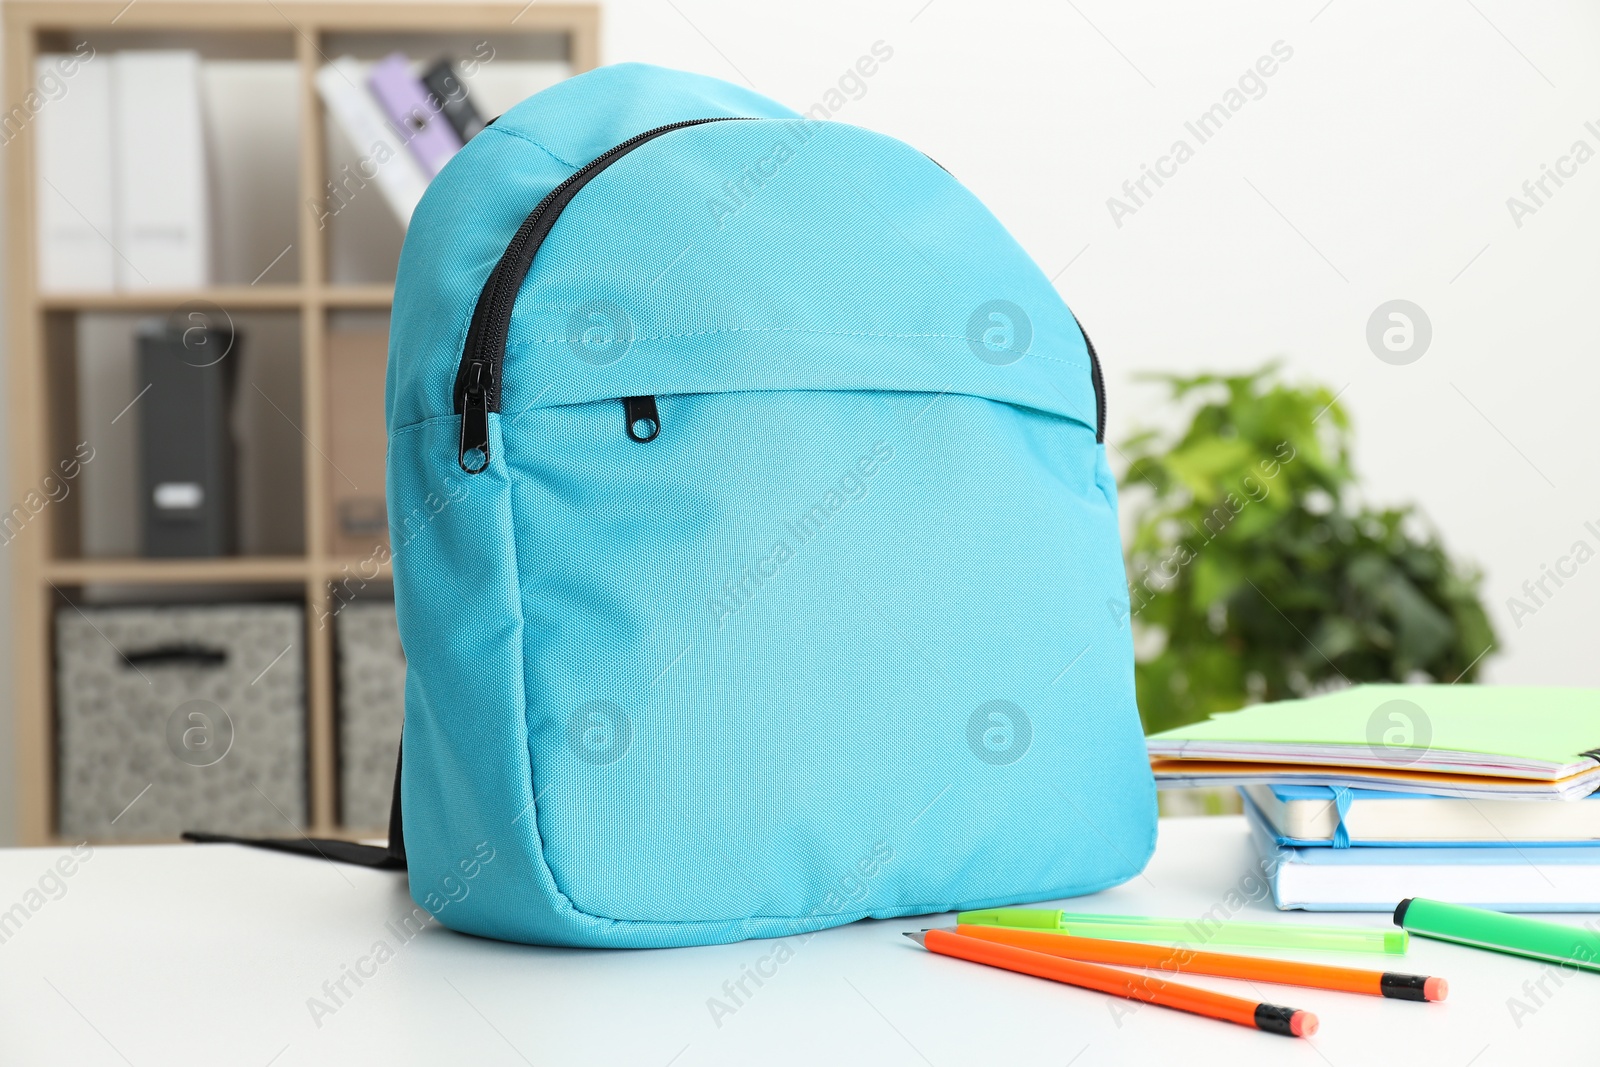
<point x="179" y="496"/>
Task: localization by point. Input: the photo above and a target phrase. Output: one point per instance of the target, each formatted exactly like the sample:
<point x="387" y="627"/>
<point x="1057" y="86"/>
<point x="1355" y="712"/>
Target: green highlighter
<point x="1573" y="946"/>
<point x="1193" y="932"/>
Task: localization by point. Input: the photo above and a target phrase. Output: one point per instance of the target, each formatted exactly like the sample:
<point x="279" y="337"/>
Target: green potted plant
<point x="1254" y="572"/>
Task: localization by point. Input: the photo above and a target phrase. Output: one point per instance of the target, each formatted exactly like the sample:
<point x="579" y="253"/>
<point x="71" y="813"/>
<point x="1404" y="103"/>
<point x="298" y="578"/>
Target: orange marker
<point x="1223" y="965"/>
<point x="1270" y="1017"/>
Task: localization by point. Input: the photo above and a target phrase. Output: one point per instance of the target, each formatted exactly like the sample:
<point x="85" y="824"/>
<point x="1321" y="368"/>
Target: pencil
<point x="1223" y="965"/>
<point x="1143" y="987"/>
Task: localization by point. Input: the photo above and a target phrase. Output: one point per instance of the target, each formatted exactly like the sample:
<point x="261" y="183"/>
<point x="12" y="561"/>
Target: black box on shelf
<point x="188" y="467"/>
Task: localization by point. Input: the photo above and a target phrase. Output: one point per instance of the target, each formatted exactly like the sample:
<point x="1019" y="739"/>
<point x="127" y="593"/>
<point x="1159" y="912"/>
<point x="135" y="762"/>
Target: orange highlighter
<point x="1219" y="964"/>
<point x="1272" y="1018"/>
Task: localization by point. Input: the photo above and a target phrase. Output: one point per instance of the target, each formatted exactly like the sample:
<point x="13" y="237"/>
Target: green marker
<point x="1193" y="932"/>
<point x="1573" y="946"/>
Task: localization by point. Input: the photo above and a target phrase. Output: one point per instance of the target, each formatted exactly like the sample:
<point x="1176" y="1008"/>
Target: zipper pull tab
<point x="642" y="418"/>
<point x="475" y="417"/>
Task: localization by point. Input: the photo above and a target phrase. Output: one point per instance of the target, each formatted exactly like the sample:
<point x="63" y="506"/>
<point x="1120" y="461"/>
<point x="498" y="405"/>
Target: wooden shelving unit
<point x="42" y="398"/>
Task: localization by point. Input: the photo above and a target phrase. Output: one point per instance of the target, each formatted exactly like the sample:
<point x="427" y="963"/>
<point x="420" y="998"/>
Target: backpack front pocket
<point x="824" y="650"/>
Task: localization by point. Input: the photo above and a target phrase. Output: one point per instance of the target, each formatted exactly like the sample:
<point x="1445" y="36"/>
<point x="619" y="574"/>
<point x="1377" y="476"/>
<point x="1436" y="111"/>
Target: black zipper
<point x="477" y="386"/>
<point x="1099" y="383"/>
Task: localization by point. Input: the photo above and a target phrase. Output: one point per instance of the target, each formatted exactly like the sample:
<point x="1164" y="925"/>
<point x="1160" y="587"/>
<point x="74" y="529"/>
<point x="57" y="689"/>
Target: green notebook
<point x="1534" y="734"/>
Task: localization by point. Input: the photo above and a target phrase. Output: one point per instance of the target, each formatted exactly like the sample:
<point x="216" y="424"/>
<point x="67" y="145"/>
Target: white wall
<point x="1376" y="166"/>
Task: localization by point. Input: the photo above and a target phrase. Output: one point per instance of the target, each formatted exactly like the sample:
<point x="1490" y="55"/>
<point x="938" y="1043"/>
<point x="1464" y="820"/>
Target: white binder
<point x="162" y="209"/>
<point x="74" y="186"/>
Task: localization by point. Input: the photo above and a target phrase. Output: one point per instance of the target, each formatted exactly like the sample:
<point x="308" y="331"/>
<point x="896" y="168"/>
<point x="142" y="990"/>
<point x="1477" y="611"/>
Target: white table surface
<point x="209" y="955"/>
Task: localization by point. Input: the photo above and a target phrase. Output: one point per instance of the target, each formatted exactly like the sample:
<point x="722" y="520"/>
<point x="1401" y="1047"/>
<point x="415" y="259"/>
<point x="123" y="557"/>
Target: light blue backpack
<point x="755" y="551"/>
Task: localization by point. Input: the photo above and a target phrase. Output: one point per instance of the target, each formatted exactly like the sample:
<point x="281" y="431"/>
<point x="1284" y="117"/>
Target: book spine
<point x="383" y="159"/>
<point x="407" y="103"/>
<point x="449" y="94"/>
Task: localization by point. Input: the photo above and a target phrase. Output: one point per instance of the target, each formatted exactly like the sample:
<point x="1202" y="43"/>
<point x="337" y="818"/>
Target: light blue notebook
<point x="1505" y="878"/>
<point x="1311" y="815"/>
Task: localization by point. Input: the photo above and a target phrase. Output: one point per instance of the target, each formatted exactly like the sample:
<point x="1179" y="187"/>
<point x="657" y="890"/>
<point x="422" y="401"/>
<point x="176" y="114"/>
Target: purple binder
<point x="405" y="100"/>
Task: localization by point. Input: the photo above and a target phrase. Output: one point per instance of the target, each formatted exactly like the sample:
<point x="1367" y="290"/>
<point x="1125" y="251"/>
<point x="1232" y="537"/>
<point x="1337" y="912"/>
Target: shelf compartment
<point x="268" y="420"/>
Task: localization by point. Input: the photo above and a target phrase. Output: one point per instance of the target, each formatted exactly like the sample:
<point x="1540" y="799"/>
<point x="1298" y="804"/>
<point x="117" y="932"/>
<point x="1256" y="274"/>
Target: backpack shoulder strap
<point x="390" y="857"/>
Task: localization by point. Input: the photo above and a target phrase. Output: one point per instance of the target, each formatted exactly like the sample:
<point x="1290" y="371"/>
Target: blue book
<point x="1340" y="817"/>
<point x="1505" y="878"/>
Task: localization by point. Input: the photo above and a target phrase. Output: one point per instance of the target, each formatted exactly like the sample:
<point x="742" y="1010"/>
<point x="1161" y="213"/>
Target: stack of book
<point x="405" y="126"/>
<point x="1361" y="798"/>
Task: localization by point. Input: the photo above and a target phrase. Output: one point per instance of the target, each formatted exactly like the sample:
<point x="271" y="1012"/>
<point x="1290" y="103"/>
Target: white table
<point x="209" y="955"/>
